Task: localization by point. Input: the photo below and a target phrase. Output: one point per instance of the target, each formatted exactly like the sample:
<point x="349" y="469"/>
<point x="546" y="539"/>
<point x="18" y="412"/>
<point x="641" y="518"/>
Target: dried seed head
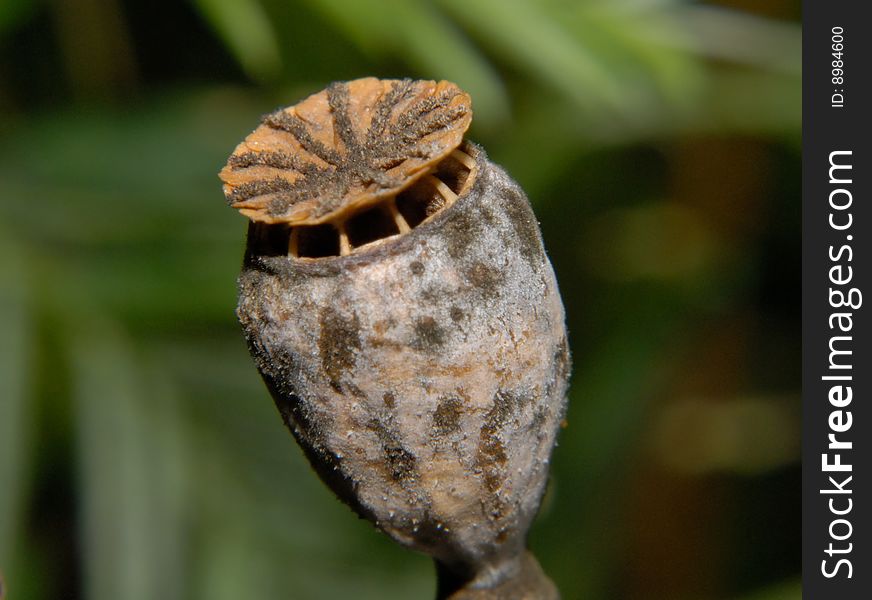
<point x="409" y="328"/>
<point x="343" y="149"/>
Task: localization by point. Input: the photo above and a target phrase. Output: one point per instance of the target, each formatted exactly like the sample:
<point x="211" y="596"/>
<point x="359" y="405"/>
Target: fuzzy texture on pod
<point x="425" y="377"/>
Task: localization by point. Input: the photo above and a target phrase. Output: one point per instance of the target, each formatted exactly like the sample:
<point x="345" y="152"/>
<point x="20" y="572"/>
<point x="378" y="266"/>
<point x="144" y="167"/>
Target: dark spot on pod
<point x="539" y="418"/>
<point x="354" y="390"/>
<point x="526" y="229"/>
<point x="461" y="232"/>
<point x="502" y="409"/>
<point x="434" y="295"/>
<point x="456" y="314"/>
<point x="446" y="417"/>
<point x="485" y="278"/>
<point x="492" y="454"/>
<point x="390" y="400"/>
<point x="429" y="336"/>
<point x="562" y="361"/>
<point x="486" y="215"/>
<point x="491" y="450"/>
<point x="338" y="342"/>
<point x="401" y="464"/>
<point x="417" y="268"/>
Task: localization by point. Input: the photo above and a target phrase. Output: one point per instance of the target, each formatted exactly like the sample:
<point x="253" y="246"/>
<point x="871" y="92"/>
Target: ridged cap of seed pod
<point x="344" y="148"/>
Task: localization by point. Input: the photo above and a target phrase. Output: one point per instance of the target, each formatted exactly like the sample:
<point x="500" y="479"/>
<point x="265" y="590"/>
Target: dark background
<point x="140" y="455"/>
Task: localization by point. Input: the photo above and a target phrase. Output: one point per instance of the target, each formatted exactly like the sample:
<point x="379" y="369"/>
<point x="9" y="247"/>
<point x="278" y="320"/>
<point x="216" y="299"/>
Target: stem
<point x="520" y="578"/>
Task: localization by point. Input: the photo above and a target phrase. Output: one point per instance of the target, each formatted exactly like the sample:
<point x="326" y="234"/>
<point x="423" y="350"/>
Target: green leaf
<point x="536" y="42"/>
<point x="738" y="37"/>
<point x="438" y="47"/>
<point x="630" y="38"/>
<point x="15" y="339"/>
<point x="425" y="38"/>
<point x="371" y="30"/>
<point x="14" y="12"/>
<point x="245" y="28"/>
<point x="131" y="470"/>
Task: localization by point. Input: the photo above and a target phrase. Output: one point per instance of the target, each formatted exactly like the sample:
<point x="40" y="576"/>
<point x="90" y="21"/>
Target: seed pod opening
<point x="398" y="302"/>
<point x="353" y="164"/>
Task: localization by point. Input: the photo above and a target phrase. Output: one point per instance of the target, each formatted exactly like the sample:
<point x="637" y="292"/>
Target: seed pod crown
<point x="344" y="148"/>
<point x="398" y="302"/>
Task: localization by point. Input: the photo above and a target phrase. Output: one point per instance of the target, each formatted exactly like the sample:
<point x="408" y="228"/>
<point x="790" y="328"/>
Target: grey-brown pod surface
<point x="398" y="302"/>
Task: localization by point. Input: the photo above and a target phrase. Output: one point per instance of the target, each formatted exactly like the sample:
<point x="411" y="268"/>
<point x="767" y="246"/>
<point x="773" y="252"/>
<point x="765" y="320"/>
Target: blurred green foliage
<point x="140" y="456"/>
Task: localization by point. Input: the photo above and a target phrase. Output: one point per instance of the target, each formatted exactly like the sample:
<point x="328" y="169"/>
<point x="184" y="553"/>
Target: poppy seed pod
<point x="398" y="302"/>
